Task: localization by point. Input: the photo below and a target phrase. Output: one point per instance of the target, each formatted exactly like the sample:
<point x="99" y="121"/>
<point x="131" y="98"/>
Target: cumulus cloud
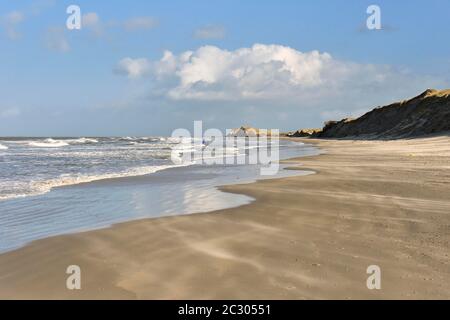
<point x="140" y="23"/>
<point x="276" y="76"/>
<point x="10" y="23"/>
<point x="210" y="32"/>
<point x="133" y="68"/>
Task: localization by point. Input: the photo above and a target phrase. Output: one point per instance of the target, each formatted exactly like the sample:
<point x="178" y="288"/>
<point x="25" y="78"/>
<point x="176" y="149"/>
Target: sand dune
<point x="428" y="113"/>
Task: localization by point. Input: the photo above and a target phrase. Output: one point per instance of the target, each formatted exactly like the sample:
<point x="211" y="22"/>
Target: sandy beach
<point x="382" y="203"/>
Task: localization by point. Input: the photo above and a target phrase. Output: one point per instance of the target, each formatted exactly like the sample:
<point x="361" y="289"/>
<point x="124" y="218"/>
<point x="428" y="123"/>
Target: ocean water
<point x="52" y="186"/>
<point x="32" y="166"/>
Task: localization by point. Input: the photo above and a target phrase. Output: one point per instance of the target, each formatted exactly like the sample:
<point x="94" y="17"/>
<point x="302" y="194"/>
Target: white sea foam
<point x="2" y="147"/>
<point x="83" y="140"/>
<point x="50" y="163"/>
<point x="48" y="143"/>
<point x="42" y="187"/>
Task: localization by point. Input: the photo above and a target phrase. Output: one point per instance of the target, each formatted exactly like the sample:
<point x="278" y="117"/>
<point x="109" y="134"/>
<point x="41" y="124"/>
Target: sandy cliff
<point x="428" y="113"/>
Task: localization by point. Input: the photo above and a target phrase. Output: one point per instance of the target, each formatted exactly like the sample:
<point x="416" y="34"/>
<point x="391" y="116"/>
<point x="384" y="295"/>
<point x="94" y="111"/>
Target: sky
<point x="140" y="68"/>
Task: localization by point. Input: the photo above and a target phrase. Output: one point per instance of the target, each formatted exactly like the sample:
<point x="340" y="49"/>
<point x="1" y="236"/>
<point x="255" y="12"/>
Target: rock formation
<point x="303" y="133"/>
<point x="247" y="131"/>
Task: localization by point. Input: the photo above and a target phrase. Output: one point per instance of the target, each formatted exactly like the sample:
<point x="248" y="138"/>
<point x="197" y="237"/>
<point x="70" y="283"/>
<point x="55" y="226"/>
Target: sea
<point x="51" y="186"/>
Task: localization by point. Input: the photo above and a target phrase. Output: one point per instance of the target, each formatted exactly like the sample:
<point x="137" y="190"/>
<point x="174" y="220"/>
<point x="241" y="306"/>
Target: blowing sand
<point x="384" y="203"/>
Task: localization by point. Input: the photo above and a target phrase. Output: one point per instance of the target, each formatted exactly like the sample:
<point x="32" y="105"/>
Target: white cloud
<point x="55" y="39"/>
<point x="210" y="32"/>
<point x="274" y="75"/>
<point x="15" y="17"/>
<point x="140" y="23"/>
<point x="341" y="114"/>
<point x="133" y="68"/>
<point x="10" y="23"/>
<point x="9" y="113"/>
<point x="91" y="21"/>
<point x="38" y="6"/>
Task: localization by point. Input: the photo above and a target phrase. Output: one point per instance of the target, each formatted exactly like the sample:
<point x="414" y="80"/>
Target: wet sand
<point x="382" y="203"/>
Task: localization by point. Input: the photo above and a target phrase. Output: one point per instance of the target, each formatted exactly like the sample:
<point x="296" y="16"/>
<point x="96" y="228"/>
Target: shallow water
<point x="31" y="166"/>
<point x="86" y="206"/>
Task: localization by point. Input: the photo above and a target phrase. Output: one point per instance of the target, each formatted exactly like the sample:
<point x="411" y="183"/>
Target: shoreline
<point x="176" y="191"/>
<point x="107" y="177"/>
<point x="309" y="236"/>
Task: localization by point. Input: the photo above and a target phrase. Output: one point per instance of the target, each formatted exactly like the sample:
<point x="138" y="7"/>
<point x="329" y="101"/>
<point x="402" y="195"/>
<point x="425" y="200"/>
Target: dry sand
<point x="306" y="237"/>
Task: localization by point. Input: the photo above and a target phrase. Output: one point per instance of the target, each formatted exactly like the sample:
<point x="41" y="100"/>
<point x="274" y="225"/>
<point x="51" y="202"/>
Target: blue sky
<point x="313" y="61"/>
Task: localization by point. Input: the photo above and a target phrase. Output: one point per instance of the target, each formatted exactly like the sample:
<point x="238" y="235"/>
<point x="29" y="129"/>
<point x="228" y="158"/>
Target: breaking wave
<point x="35" y="188"/>
<point x="48" y="143"/>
